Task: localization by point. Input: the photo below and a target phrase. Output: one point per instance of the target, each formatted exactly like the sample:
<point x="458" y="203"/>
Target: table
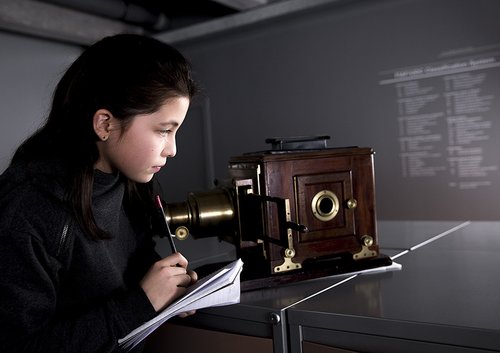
<point x="444" y="299"/>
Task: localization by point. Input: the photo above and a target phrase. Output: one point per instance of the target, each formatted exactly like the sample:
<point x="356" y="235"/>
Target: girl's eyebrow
<point x="167" y="123"/>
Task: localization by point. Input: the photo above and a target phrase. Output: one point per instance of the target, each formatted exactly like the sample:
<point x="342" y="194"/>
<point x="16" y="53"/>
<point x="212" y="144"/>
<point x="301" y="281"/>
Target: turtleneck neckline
<point x="103" y="178"/>
<point x="105" y="182"/>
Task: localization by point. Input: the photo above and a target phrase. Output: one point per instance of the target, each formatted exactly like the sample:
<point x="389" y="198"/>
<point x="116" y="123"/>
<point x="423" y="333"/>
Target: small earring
<point x="104" y="138"/>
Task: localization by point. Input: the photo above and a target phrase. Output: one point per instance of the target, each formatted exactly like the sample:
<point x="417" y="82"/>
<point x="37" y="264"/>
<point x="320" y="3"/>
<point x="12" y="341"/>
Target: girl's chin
<point x="143" y="179"/>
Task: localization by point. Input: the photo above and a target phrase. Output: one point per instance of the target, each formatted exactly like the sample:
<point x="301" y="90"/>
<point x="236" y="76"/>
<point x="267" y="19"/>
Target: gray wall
<point x="349" y="71"/>
<point x="417" y="80"/>
<point x="29" y="71"/>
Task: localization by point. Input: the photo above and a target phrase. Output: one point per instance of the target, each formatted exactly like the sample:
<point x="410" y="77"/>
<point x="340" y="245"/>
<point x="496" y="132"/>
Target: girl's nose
<point x="170" y="149"/>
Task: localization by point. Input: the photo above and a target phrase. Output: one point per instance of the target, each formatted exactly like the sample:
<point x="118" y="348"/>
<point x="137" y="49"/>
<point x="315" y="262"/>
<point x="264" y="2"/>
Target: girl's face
<point x="142" y="149"/>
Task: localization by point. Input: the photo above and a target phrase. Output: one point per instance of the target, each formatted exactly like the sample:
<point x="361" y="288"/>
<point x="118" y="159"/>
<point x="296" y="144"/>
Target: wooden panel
<point x="346" y="173"/>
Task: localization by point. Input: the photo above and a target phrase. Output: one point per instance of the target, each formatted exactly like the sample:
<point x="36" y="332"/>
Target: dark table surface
<point x="447" y="291"/>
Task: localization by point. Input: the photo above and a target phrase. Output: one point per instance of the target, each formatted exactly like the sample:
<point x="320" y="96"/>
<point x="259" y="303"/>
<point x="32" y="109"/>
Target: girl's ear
<point x="102" y="123"/>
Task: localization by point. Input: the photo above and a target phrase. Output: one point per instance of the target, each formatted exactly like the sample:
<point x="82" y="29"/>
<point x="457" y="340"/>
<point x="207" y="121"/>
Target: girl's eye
<point x="164" y="132"/>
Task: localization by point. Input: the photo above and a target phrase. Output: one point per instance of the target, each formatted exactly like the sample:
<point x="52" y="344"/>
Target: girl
<point x="77" y="260"/>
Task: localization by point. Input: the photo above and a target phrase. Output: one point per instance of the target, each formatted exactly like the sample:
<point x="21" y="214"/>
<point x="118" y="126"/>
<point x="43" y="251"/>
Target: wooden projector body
<point x="292" y="215"/>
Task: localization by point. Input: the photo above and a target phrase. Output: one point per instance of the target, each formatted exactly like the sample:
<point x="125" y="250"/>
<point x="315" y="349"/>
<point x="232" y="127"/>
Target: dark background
<point x="319" y="73"/>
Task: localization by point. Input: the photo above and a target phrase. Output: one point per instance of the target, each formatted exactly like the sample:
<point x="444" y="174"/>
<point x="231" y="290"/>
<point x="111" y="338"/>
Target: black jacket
<point x="59" y="290"/>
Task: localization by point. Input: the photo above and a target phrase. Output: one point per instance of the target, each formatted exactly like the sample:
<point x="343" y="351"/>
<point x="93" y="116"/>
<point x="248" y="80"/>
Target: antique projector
<point x="297" y="211"/>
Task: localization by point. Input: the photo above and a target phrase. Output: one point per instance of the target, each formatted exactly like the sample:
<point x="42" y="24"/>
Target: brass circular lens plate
<point x="325" y="205"/>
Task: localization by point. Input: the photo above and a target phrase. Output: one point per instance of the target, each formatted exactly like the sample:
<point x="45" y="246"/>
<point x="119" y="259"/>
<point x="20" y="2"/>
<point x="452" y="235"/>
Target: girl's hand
<point x="166" y="280"/>
<point x="194" y="278"/>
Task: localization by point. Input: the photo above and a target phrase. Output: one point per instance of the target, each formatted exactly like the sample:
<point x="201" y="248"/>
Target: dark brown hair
<point x="126" y="74"/>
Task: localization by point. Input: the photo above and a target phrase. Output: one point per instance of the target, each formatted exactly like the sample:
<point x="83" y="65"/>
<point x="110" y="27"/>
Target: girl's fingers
<point x="175" y="259"/>
<point x="185" y="281"/>
<point x="193" y="275"/>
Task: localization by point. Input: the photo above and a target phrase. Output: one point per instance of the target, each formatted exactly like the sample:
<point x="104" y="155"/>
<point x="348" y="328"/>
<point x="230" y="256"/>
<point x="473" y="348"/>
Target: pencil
<point x="164" y="223"/>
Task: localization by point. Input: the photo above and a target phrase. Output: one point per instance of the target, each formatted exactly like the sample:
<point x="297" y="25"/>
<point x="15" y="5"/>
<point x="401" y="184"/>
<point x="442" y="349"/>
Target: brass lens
<point x="325" y="205"/>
